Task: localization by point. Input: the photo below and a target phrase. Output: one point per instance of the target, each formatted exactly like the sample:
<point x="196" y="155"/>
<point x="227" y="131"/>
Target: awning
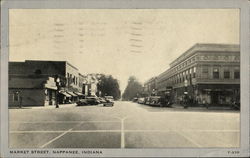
<point x="72" y="94"/>
<point x="78" y="93"/>
<point x="64" y="93"/>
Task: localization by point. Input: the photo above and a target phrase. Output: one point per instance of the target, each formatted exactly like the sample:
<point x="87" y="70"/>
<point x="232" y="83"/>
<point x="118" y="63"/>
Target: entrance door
<point x="214" y="97"/>
<point x="50" y="97"/>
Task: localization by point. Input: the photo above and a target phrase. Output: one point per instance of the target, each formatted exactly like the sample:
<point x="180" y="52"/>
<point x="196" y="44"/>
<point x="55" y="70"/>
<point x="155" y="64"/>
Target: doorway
<point x="214" y="97"/>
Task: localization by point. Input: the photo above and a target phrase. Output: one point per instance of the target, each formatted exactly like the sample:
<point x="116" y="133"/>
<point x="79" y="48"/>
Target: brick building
<point x="32" y="91"/>
<point x="39" y="71"/>
<point x="207" y="73"/>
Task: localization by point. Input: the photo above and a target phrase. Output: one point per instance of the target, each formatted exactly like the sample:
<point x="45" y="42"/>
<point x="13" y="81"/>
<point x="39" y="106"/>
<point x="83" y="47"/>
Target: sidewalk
<point x="202" y="107"/>
<point x="46" y="107"/>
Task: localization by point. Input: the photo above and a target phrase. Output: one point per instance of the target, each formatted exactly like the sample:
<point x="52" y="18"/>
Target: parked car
<point x="147" y="101"/>
<point x="92" y="100"/>
<point x="109" y="98"/>
<point x="135" y="99"/>
<point x="82" y="102"/>
<point x="155" y="100"/>
<point x="108" y="104"/>
<point x="102" y="100"/>
<point x="109" y="101"/>
<point x="141" y="100"/>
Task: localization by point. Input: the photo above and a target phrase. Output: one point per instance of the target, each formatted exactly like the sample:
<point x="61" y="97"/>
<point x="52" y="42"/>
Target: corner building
<point x="208" y="73"/>
<point x="35" y="82"/>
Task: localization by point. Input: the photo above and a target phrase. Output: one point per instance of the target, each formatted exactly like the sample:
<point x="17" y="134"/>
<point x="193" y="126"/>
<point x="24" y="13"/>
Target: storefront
<point x="32" y="91"/>
<point x="218" y="94"/>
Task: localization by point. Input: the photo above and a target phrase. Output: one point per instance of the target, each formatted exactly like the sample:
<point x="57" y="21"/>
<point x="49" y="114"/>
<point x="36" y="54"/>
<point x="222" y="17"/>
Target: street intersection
<point x="125" y="125"/>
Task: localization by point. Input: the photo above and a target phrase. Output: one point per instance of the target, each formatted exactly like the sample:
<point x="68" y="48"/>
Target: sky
<point x="119" y="42"/>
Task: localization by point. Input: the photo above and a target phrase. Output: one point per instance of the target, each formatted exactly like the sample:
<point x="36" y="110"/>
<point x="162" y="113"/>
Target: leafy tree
<point x="108" y="86"/>
<point x="133" y="89"/>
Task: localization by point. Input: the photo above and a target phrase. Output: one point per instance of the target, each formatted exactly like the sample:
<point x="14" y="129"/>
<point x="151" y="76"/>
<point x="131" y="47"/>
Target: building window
<point x="194" y="72"/>
<point x="216" y="73"/>
<point x="16" y="96"/>
<point x="236" y="74"/>
<point x="205" y="72"/>
<point x="226" y="74"/>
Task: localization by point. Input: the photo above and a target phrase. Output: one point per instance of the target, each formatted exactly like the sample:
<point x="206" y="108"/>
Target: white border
<point x="134" y="4"/>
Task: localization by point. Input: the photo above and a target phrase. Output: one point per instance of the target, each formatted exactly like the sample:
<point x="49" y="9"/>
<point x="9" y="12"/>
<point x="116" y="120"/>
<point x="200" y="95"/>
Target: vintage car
<point x="109" y="101"/>
<point x="147" y="101"/>
<point x="135" y="99"/>
<point x="155" y="101"/>
<point x="82" y="102"/>
<point x="102" y="100"/>
<point x="109" y="98"/>
<point x="92" y="100"/>
<point x="141" y="100"/>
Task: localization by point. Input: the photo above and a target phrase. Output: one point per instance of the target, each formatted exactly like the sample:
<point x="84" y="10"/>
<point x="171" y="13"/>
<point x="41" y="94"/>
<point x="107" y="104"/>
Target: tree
<point x="133" y="89"/>
<point x="108" y="86"/>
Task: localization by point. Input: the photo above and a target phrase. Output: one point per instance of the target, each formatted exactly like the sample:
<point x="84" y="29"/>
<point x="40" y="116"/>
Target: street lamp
<point x="57" y="91"/>
<point x="185" y="84"/>
<point x="185" y="93"/>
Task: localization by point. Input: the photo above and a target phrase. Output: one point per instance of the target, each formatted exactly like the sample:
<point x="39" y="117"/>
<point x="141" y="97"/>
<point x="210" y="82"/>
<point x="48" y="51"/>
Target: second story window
<point x="216" y="73"/>
<point x="205" y="72"/>
<point x="194" y="72"/>
<point x="236" y="74"/>
<point x="226" y="74"/>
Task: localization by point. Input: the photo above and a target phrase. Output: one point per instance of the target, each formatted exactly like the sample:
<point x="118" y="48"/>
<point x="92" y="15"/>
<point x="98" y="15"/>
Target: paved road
<point x="126" y="125"/>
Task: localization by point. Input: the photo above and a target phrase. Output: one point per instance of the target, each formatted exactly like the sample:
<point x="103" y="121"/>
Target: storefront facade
<point x="207" y="73"/>
<point x="32" y="92"/>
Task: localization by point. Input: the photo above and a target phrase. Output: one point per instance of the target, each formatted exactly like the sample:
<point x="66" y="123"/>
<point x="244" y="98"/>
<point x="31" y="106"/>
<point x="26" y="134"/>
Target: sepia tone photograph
<point x="85" y="81"/>
<point x="144" y="78"/>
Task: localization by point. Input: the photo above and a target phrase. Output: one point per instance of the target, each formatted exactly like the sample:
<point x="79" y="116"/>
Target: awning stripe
<point x="66" y="94"/>
<point x="71" y="93"/>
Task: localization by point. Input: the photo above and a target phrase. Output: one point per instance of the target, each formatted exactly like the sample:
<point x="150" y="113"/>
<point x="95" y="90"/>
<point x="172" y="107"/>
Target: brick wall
<point x="30" y="97"/>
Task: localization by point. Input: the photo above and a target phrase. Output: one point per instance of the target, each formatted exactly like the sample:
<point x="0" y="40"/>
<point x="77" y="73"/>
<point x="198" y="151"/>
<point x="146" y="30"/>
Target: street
<point x="125" y="125"/>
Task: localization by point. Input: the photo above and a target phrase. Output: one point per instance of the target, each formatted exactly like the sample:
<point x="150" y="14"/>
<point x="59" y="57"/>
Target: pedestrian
<point x="20" y="101"/>
<point x="185" y="101"/>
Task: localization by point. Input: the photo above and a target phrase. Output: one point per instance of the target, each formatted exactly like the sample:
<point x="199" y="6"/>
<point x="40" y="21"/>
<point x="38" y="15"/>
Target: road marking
<point x="123" y="132"/>
<point x="189" y="139"/>
<point x="52" y="140"/>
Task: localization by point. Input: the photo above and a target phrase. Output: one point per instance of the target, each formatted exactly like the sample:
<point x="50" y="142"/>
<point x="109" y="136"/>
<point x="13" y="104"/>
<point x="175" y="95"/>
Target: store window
<point x="216" y="73"/>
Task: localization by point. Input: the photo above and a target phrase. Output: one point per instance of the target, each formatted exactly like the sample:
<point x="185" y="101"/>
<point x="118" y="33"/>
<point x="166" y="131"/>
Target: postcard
<point x="125" y="78"/>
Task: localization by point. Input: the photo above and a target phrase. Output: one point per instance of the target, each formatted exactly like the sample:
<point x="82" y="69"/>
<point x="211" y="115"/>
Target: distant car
<point x="109" y="98"/>
<point x="141" y="100"/>
<point x="135" y="99"/>
<point x="102" y="100"/>
<point x="109" y="101"/>
<point x="108" y="104"/>
<point x="82" y="102"/>
<point x="92" y="100"/>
